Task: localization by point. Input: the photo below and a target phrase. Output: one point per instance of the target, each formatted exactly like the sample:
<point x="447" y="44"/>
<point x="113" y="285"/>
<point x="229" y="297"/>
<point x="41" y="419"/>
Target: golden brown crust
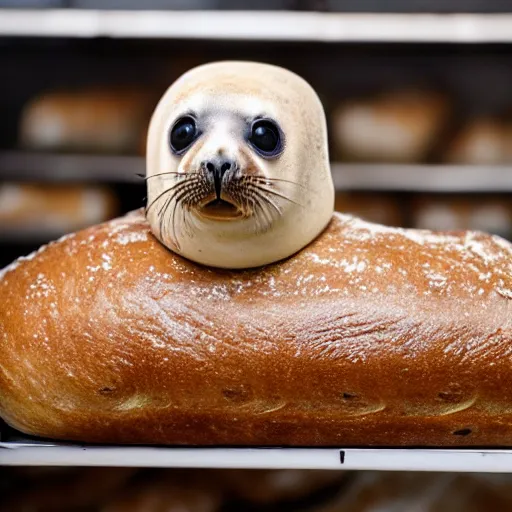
<point x="369" y="336"/>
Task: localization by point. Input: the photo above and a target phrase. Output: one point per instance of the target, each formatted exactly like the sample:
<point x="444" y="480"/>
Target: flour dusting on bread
<point x="368" y="335"/>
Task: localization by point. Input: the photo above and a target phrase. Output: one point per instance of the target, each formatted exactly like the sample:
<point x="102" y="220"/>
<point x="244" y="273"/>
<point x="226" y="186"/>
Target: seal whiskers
<point x="253" y="196"/>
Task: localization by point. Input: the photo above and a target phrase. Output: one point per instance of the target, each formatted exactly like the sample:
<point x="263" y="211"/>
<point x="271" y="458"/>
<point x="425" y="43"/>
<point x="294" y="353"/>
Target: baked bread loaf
<point x="369" y="336"/>
<point x="383" y="491"/>
<point x="267" y="487"/>
<point x="102" y="120"/>
<point x="398" y="126"/>
<point x="481" y="142"/>
<point x="447" y="213"/>
<point x="155" y="490"/>
<point x="72" y="489"/>
<point x="58" y="208"/>
<point x="169" y="491"/>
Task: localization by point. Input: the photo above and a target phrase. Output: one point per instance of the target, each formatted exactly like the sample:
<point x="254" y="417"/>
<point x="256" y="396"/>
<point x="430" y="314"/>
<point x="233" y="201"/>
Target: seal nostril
<point x="225" y="167"/>
<point x="210" y="167"/>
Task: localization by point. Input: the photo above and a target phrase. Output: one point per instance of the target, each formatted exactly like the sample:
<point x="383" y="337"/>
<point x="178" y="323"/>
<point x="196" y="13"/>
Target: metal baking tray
<point x="19" y="450"/>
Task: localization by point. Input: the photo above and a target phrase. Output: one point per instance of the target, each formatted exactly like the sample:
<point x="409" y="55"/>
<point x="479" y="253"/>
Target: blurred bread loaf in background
<point x="58" y="208"/>
<point x="372" y="491"/>
<point x="397" y="126"/>
<point x="100" y="120"/>
<point x="169" y="491"/>
<point x="457" y="213"/>
<point x="70" y="489"/>
<point x="265" y="487"/>
<point x="63" y="489"/>
<point x="482" y="141"/>
<point x="373" y="207"/>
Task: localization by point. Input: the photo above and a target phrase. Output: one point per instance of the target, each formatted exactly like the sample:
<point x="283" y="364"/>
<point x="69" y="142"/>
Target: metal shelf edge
<point x="423" y="178"/>
<point x="259" y="25"/>
<point x="52" y="167"/>
<point x="452" y="460"/>
<point x="21" y="165"/>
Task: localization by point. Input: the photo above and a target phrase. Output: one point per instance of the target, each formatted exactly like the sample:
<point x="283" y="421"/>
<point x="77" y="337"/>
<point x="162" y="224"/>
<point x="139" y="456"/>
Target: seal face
<point x="237" y="165"/>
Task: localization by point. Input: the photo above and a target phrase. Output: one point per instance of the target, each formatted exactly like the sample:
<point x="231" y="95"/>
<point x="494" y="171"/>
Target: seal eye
<point x="183" y="133"/>
<point x="265" y="137"/>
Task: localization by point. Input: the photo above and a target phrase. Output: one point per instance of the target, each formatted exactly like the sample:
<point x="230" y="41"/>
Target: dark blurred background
<point x="163" y="490"/>
<point x="420" y="119"/>
<point x="418" y="102"/>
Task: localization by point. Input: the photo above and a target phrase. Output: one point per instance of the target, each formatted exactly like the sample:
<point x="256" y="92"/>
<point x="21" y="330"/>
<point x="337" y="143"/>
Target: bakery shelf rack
<point x="19" y="450"/>
<point x="27" y="166"/>
<point x="59" y="167"/>
<point x="249" y="26"/>
<point x="259" y="25"/>
<point x="457" y="460"/>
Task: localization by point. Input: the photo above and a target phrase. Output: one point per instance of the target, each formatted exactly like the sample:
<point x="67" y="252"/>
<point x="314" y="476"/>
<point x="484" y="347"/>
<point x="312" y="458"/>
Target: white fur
<point x="225" y="90"/>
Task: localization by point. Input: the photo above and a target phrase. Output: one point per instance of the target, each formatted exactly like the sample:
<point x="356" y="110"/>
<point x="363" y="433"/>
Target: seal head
<point x="238" y="170"/>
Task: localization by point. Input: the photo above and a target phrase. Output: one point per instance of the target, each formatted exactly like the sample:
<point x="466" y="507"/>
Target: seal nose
<point x="218" y="168"/>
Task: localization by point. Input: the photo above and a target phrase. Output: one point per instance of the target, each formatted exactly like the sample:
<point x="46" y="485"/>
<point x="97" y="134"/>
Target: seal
<point x="238" y="171"/>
